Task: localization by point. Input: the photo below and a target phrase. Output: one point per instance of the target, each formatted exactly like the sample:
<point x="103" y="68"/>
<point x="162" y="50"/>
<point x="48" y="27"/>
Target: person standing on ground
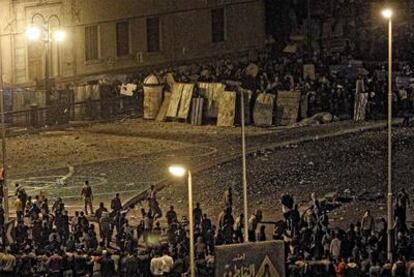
<point x="105" y="229"/>
<point x="19" y="208"/>
<point x="404" y="200"/>
<point x="198" y="215"/>
<point x="100" y="211"/>
<point x="238" y="229"/>
<point x="116" y="204"/>
<point x="171" y="216"/>
<point x="87" y="195"/>
<point x="168" y="262"/>
<point x="254" y="220"/>
<point x="335" y="247"/>
<point x="367" y="224"/>
<point x="157" y="264"/>
<point x="228" y="198"/>
<point x="107" y="265"/>
<point x="316" y="207"/>
<point x="152" y="194"/>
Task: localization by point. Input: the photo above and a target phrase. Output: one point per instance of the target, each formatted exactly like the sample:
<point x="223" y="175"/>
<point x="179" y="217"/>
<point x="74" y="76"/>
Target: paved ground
<point x="129" y="156"/>
<point x="124" y="157"/>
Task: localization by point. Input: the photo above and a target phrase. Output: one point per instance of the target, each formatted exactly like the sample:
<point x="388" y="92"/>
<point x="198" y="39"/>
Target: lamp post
<point x="3" y="143"/>
<point x="308" y="29"/>
<point x="245" y="206"/>
<point x="387" y="13"/>
<point x="180" y="171"/>
<point x="47" y="35"/>
<point x="240" y="90"/>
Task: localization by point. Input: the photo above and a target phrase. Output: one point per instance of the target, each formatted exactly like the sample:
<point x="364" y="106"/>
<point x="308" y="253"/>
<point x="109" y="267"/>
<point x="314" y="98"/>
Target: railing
<point x="89" y="110"/>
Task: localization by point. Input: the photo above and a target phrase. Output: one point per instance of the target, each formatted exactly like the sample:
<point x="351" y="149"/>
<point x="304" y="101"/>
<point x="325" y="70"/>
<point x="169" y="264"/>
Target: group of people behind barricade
<point x="325" y="90"/>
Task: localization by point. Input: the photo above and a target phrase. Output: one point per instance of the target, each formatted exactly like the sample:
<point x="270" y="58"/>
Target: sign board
<point x="360" y="106"/>
<point x="248" y="96"/>
<point x="175" y="100"/>
<point x="309" y="71"/>
<point x="197" y="111"/>
<point x="287" y="110"/>
<point x="185" y="103"/>
<point x="405" y="82"/>
<point x="227" y="109"/>
<point x="161" y="116"/>
<point x="128" y="89"/>
<point x="152" y="101"/>
<point x="212" y="93"/>
<point x="259" y="259"/>
<point x="263" y="109"/>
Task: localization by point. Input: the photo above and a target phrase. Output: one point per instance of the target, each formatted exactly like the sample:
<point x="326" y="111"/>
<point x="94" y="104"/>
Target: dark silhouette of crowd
<point x="48" y="241"/>
<point x="315" y="248"/>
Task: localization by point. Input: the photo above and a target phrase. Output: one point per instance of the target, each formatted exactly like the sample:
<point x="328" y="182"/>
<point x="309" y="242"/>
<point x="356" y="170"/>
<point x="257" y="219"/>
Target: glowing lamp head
<point x="59" y="35"/>
<point x="33" y="33"/>
<point x="387" y="13"/>
<point x="177" y="171"/>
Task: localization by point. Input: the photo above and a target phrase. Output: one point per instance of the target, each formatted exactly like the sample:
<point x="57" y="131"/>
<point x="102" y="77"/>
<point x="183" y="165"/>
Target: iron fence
<point x="64" y="113"/>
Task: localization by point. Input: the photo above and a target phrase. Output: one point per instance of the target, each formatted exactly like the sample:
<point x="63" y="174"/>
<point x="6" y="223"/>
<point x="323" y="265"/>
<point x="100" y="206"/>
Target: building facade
<point x="105" y="36"/>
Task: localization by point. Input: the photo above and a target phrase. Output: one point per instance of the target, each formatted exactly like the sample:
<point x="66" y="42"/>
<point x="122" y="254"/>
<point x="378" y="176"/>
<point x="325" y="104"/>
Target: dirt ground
<point x="353" y="164"/>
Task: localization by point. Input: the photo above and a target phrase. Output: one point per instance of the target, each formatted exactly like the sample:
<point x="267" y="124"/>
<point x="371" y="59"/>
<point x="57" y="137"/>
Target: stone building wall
<point x="185" y="34"/>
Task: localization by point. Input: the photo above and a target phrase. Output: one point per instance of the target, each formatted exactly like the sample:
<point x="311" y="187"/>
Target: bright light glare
<point x="178" y="171"/>
<point x="59" y="36"/>
<point x="33" y="33"/>
<point x="387" y="13"/>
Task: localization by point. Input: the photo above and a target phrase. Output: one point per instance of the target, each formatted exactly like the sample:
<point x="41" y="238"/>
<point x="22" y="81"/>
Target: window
<point x="153" y="34"/>
<point x="217" y="25"/>
<point x="122" y="39"/>
<point x="91" y="43"/>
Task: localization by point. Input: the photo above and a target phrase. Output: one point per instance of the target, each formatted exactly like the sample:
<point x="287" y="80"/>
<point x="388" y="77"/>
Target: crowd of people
<point x="48" y="241"/>
<point x="315" y="248"/>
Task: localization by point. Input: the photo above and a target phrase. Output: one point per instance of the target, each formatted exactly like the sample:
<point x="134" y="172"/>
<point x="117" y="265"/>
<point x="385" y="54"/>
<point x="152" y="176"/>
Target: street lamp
<point x="181" y="171"/>
<point x="45" y="33"/>
<point x="33" y="33"/>
<point x="59" y="36"/>
<point x="387" y="13"/>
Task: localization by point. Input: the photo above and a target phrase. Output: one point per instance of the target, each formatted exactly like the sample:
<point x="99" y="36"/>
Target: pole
<point x="3" y="150"/>
<point x="245" y="210"/>
<point x="47" y="73"/>
<point x="3" y="141"/>
<point x="308" y="29"/>
<point x="47" y="90"/>
<point x="389" y="195"/>
<point x="191" y="227"/>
